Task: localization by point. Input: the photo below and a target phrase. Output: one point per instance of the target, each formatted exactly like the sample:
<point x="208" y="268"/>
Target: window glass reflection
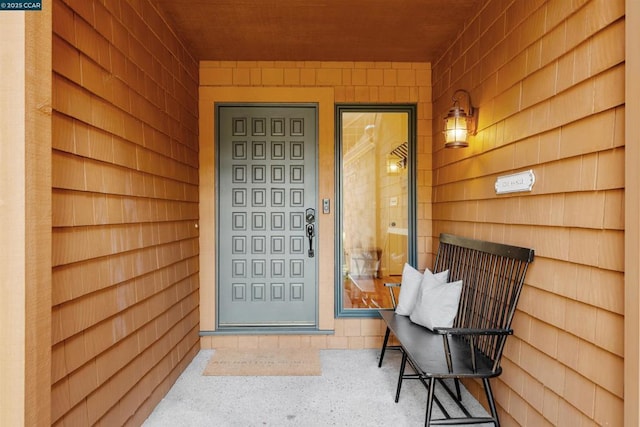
<point x="374" y="205"/>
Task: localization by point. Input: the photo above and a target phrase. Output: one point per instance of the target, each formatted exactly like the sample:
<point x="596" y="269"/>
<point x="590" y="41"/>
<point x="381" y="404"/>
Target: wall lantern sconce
<point x="458" y="124"/>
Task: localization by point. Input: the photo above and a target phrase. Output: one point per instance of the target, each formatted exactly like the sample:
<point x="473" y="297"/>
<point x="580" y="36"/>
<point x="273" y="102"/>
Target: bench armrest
<point x="472" y="331"/>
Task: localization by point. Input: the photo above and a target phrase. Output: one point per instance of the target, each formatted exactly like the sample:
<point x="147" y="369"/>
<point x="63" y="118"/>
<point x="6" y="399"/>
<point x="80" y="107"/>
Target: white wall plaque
<point x="521" y="181"/>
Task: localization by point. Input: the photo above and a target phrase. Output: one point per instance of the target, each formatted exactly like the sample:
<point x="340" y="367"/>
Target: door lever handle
<point x="311" y="232"/>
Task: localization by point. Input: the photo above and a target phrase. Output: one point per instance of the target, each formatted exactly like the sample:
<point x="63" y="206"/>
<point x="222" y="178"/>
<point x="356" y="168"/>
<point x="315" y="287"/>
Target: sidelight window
<point x="376" y="203"/>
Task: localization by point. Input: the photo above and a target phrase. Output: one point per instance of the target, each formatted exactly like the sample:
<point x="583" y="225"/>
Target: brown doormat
<point x="264" y="362"/>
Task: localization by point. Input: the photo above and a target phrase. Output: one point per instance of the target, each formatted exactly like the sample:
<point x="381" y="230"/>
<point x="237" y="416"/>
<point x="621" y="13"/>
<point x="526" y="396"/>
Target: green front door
<point x="267" y="196"/>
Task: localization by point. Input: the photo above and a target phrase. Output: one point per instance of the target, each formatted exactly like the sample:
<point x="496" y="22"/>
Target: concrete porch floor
<point x="352" y="391"/>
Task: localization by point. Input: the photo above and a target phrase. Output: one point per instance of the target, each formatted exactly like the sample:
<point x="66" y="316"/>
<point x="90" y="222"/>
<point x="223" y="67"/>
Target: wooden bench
<point x="493" y="275"/>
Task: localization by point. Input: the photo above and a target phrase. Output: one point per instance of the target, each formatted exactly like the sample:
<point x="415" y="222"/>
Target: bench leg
<point x="402" y="366"/>
<point x="384" y="346"/>
<point x="458" y="394"/>
<point x="492" y="403"/>
<point x="430" y="397"/>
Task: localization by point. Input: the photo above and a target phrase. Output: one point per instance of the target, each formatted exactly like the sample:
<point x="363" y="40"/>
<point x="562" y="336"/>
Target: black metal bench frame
<point x="493" y="276"/>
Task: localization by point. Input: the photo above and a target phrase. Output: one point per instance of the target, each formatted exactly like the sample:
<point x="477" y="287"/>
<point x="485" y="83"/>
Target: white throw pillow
<point x="412" y="282"/>
<point x="429" y="280"/>
<point x="437" y="306"/>
<point x="411" y="279"/>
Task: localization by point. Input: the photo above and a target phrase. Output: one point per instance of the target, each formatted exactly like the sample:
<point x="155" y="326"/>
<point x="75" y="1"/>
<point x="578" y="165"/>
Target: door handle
<point x="310" y="216"/>
<point x="311" y="231"/>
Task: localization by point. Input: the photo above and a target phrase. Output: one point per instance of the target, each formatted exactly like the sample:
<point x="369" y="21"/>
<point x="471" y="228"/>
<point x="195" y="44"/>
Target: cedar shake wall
<point x="125" y="287"/>
<point x="548" y="78"/>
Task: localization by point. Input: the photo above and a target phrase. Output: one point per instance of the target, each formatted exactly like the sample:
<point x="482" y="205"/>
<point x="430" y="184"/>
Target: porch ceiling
<point x="317" y="30"/>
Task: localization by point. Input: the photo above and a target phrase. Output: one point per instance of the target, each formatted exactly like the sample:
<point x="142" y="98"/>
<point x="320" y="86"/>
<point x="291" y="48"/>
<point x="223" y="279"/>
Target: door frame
<point x="324" y="97"/>
<point x="267" y="328"/>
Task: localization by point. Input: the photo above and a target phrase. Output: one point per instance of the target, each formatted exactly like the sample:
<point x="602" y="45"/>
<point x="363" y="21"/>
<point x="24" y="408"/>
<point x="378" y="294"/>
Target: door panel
<point x="267" y="181"/>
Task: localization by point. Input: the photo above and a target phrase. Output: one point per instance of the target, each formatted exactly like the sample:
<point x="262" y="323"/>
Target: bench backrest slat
<point x="493" y="275"/>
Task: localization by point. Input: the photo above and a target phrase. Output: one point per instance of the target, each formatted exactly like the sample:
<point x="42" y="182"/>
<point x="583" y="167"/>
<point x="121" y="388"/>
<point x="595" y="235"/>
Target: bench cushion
<point x="425" y="349"/>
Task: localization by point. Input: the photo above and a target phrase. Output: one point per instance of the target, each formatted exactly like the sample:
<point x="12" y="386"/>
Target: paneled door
<point x="267" y="197"/>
